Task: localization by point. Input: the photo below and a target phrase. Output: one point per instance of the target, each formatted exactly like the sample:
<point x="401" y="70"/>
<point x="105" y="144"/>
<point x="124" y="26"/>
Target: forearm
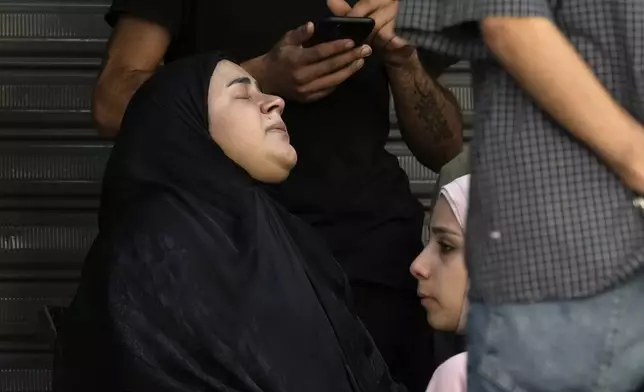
<point x="111" y="97"/>
<point x="429" y="117"/>
<point x="549" y="68"/>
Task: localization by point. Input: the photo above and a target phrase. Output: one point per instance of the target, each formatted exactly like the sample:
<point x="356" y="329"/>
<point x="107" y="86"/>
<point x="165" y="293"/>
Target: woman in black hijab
<point x="198" y="280"/>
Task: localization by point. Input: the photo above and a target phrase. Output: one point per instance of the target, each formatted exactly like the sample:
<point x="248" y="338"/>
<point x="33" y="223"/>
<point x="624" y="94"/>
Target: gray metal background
<point x="51" y="164"/>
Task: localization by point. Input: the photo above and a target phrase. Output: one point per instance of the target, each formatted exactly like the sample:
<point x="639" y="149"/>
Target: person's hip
<point x="591" y="344"/>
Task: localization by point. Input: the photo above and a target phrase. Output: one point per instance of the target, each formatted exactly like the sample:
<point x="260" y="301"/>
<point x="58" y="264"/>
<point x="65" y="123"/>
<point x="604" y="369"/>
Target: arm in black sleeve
<point x="166" y="13"/>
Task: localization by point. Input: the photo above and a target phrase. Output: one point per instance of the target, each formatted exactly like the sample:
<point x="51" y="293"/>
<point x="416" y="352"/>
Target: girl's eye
<point x="446" y="248"/>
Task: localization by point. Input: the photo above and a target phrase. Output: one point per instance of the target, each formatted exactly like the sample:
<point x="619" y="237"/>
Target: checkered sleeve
<point x="451" y="26"/>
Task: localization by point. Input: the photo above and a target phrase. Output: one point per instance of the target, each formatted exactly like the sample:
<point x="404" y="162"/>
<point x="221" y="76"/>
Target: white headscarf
<point x="457" y="195"/>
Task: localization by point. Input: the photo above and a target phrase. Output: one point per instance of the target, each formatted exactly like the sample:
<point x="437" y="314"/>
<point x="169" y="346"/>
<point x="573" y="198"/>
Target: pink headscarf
<point x="451" y="376"/>
<point x="457" y="194"/>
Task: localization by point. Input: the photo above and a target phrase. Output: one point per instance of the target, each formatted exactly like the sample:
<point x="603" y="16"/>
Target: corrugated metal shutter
<point x="51" y="164"/>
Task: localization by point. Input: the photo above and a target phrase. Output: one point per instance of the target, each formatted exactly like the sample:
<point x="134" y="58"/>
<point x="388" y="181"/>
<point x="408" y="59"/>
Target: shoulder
<point x="457" y="167"/>
<point x="158" y="232"/>
<point x="159" y="211"/>
<point x="451" y="375"/>
<point x="457" y="362"/>
<point x="165" y="13"/>
<point x="147" y="217"/>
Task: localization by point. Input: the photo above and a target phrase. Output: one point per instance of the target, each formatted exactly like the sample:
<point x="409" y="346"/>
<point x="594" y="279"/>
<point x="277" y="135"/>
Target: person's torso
<point x="548" y="219"/>
<point x="295" y="319"/>
<point x="345" y="183"/>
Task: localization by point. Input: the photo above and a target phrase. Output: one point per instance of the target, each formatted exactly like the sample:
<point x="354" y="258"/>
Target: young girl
<point x="443" y="280"/>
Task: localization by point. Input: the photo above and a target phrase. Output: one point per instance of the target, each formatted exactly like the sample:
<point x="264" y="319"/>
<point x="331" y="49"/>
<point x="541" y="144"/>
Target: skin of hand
<point x="306" y="74"/>
<point x="396" y="50"/>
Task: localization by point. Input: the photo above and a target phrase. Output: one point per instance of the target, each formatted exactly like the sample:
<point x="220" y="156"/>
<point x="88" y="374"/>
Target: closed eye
<point x="244" y="91"/>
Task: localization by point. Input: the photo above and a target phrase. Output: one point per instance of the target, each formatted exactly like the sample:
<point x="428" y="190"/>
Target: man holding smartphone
<point x="346" y="185"/>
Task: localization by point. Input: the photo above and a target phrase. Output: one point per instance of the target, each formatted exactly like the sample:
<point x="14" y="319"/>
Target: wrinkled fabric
<point x="451" y="376"/>
<point x="198" y="280"/>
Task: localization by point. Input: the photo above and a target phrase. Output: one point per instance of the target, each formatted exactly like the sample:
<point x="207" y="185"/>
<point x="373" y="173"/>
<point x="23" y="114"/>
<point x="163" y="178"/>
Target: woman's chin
<point x="440" y="323"/>
<point x="278" y="171"/>
<point x="284" y="155"/>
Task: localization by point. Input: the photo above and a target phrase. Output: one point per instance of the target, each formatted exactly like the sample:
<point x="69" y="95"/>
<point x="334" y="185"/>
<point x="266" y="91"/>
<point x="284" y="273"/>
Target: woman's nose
<point x="420" y="268"/>
<point x="271" y="103"/>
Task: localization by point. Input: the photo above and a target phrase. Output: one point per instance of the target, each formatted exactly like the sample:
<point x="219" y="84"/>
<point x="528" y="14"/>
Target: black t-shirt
<point x="345" y="184"/>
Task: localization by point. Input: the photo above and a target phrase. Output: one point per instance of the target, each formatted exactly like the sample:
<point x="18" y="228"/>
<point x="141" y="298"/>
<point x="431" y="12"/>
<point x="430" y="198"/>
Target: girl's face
<point x="440" y="270"/>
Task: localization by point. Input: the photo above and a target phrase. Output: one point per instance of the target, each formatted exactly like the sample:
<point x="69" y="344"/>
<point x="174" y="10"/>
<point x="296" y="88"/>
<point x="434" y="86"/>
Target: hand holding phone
<point x="396" y="51"/>
<point x="340" y="27"/>
<point x="307" y="74"/>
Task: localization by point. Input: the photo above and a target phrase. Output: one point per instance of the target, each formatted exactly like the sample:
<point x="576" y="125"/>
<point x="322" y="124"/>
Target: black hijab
<point x="198" y="280"/>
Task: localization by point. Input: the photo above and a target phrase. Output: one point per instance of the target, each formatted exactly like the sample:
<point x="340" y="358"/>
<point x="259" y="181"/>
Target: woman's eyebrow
<point x="443" y="230"/>
<point x="242" y="80"/>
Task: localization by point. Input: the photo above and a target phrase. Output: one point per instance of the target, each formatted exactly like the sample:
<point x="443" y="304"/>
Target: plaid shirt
<point x="548" y="220"/>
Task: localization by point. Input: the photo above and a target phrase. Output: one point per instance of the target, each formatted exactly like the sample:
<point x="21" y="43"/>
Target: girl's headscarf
<point x="457" y="195"/>
<point x="451" y="376"/>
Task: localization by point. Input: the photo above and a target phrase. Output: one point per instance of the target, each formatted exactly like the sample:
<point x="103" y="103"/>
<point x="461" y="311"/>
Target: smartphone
<point x="341" y="27"/>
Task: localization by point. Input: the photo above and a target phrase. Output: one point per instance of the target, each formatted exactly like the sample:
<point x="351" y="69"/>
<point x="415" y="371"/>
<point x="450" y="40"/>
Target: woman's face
<point x="440" y="270"/>
<point x="247" y="124"/>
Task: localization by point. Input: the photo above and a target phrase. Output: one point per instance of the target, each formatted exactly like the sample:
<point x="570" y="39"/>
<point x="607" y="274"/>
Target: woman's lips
<point x="278" y="127"/>
<point x="426" y="299"/>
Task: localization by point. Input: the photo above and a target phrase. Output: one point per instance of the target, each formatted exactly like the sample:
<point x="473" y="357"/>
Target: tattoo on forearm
<point x="430" y="111"/>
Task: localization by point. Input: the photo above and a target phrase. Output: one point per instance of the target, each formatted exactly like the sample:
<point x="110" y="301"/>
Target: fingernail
<point x="349" y="44"/>
<point x="359" y="63"/>
<point x="366" y="51"/>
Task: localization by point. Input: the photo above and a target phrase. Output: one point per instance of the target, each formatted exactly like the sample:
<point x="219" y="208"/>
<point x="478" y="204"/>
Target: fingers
<point x="330" y="65"/>
<point x="331" y="80"/>
<point x="299" y="35"/>
<point x="318" y="95"/>
<point x="367" y="7"/>
<point x="383" y="12"/>
<point x="384" y="18"/>
<point x="334" y="79"/>
<point x="338" y="7"/>
<point x="325" y="50"/>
